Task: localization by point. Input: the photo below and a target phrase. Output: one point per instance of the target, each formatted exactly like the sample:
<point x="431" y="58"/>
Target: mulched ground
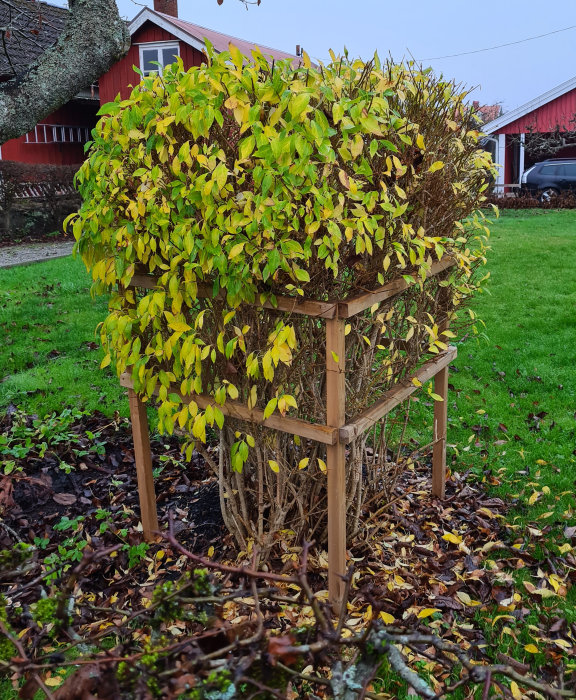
<point x="95" y="473"/>
<point x="440" y="564"/>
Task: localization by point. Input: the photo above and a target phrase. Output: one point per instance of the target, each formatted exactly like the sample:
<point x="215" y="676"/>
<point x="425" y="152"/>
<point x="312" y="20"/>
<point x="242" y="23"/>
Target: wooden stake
<point x="143" y="460"/>
<point x="336" y="459"/>
<point x="440" y="425"/>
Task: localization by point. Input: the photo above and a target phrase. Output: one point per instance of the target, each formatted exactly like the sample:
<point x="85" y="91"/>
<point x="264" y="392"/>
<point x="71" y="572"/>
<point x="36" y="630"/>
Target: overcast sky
<point x="423" y="29"/>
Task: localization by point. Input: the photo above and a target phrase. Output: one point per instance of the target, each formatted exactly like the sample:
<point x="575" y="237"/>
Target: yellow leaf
<point x="420" y="141"/>
<point x="210" y="551"/>
<point x="106" y="361"/>
<point x="53" y="681"/>
<point x="562" y="643"/>
<point x="426" y="612"/>
<point x="502" y="617"/>
<point x="438" y="165"/>
<point x="303" y="463"/>
<point x="451" y="537"/>
<point x="274" y="466"/>
<point x="531" y="648"/>
<point x="322" y="465"/>
<point x="179" y="327"/>
<point x="387" y="618"/>
<point x="465" y="598"/>
<point x="236" y="250"/>
<point x="565" y="548"/>
<point x="515" y="690"/>
<point x="416" y="381"/>
<point x="236" y="56"/>
<point x="533" y="498"/>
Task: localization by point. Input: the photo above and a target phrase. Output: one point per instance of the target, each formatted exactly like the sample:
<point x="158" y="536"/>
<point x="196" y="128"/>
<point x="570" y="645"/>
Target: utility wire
<point x="500" y="46"/>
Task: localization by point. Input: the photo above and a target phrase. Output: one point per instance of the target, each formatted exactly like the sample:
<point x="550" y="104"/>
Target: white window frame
<point x="157" y="46"/>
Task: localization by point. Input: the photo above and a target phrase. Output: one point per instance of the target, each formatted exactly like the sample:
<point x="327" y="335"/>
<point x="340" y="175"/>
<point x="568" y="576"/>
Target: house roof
<point x="31" y="28"/>
<point x="195" y="35"/>
<point x="509" y="117"/>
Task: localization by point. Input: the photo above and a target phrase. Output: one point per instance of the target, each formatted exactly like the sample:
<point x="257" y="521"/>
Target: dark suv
<point x="549" y="178"/>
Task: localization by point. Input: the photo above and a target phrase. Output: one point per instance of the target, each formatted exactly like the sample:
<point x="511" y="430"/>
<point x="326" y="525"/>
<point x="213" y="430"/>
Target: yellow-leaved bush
<point x="243" y="180"/>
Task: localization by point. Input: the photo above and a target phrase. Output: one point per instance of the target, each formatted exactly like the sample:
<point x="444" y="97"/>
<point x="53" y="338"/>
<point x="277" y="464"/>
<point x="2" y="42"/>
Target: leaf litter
<point x="457" y="567"/>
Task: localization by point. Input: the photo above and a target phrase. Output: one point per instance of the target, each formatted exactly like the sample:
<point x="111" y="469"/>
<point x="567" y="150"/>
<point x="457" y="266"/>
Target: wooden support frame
<point x="143" y="460"/>
<point x="336" y="433"/>
<point x="336" y="458"/>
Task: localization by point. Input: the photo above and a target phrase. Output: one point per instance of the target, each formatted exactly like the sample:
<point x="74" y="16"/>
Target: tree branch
<point x="93" y="39"/>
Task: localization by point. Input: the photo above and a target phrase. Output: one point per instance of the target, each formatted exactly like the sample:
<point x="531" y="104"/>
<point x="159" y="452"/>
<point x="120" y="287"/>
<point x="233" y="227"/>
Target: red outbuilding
<point x="521" y="137"/>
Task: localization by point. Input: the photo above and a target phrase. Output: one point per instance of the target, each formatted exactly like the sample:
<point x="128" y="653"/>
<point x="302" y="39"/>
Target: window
<point x="570" y="170"/>
<point x="552" y="170"/>
<point x="162" y="53"/>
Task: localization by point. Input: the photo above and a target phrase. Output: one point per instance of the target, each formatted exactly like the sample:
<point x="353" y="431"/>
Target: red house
<point x="158" y="36"/>
<point x="60" y="138"/>
<point x="512" y="136"/>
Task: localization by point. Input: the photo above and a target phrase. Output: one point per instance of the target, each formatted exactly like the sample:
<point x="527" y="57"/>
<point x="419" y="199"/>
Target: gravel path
<point x="32" y="253"/>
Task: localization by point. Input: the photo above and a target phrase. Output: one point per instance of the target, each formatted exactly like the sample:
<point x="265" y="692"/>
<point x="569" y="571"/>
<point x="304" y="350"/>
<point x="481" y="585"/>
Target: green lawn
<point x="513" y="408"/>
<point x="50" y="353"/>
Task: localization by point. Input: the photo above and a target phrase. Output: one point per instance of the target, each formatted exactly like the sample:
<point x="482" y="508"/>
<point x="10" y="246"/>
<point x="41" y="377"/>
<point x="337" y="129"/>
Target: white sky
<point x="424" y="29"/>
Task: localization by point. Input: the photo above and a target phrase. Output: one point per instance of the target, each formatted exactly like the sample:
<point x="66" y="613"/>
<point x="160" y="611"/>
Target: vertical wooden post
<point x="143" y="460"/>
<point x="336" y="459"/>
<point x="440" y="410"/>
<point x="440" y="426"/>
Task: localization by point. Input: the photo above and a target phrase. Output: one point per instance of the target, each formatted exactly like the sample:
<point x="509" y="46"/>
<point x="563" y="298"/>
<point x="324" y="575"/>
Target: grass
<point x="50" y="354"/>
<point x="512" y="408"/>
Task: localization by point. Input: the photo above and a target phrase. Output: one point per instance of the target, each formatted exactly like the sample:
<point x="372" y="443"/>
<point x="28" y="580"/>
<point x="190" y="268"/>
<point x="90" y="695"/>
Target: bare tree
<point x="89" y="40"/>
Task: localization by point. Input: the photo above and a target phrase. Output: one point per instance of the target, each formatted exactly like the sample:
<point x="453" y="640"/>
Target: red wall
<point x="557" y="112"/>
<point x="121" y="77"/>
<point x="72" y="114"/>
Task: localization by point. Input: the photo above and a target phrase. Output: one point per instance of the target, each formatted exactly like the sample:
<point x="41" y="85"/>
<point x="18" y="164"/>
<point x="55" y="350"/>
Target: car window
<point x="552" y="170"/>
<point x="570" y="169"/>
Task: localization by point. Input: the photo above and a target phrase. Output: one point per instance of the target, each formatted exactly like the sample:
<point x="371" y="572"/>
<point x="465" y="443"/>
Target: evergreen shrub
<point x="259" y="179"/>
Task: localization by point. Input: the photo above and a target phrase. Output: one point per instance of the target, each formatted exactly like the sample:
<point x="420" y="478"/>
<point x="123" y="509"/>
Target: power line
<point x="500" y="46"/>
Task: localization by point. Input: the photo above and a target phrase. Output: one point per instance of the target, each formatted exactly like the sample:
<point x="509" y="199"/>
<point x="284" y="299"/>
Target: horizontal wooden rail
<point x="234" y="409"/>
<point x="311" y="307"/>
<point x="395" y="396"/>
<point x="306" y="307"/>
<point x="351" y="307"/>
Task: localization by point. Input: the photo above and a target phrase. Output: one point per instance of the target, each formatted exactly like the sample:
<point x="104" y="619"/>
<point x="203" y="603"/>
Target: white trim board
<point x="147" y="14"/>
<point x="525" y="109"/>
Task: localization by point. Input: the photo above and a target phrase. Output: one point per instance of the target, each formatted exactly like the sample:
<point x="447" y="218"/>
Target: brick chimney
<point x="168" y="7"/>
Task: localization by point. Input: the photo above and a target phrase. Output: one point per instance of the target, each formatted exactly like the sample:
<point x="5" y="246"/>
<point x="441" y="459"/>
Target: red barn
<point x="158" y="36"/>
<point x="60" y="138"/>
<point x="520" y="137"/>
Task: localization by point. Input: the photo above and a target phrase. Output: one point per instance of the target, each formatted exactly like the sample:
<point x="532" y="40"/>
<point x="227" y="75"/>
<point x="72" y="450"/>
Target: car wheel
<point x="547" y="194"/>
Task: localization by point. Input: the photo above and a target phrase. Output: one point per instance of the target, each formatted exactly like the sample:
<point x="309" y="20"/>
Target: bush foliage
<point x="255" y="180"/>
